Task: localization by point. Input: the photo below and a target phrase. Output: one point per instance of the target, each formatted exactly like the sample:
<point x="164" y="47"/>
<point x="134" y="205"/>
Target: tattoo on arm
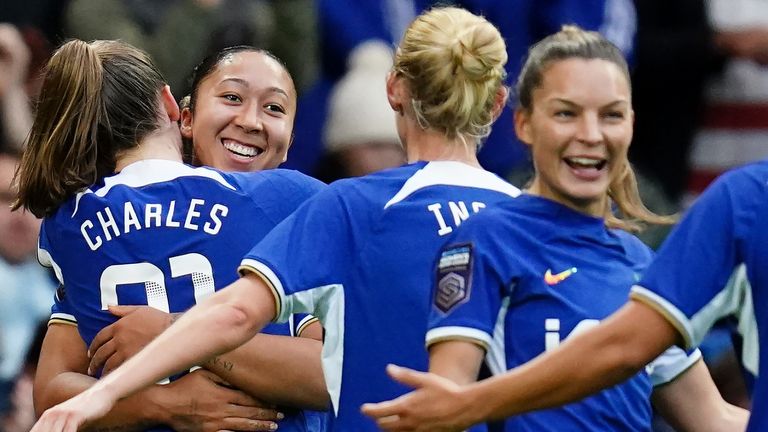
<point x="220" y="362"/>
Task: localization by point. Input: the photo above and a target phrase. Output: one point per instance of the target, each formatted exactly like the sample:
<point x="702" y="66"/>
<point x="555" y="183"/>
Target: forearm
<point x="219" y="324"/>
<point x="278" y="369"/>
<point x="692" y="402"/>
<point x="585" y="364"/>
<point x="134" y="413"/>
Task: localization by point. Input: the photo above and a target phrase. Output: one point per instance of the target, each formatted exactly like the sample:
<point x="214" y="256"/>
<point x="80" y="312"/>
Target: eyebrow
<point x="245" y="83"/>
<point x="571" y="103"/>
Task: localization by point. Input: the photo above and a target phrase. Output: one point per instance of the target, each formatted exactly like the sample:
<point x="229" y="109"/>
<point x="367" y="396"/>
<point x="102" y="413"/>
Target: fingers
<point x="101" y="338"/>
<point x="113" y="362"/>
<point x="244" y="424"/>
<point x="243" y="399"/>
<point x="255" y="413"/>
<point x="100" y="356"/>
<point x="390" y="408"/>
<point x="407" y="376"/>
<point x="122" y="311"/>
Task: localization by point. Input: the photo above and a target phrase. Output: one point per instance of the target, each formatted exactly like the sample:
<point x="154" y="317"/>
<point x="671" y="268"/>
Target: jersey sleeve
<point x="279" y="192"/>
<point x="303" y="259"/>
<point x="688" y="281"/>
<point x="300" y="323"/>
<point x="671" y="364"/>
<point x="466" y="288"/>
<point x="61" y="312"/>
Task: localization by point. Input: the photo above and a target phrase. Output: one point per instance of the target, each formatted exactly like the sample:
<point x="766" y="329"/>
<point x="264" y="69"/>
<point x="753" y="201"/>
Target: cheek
<point x="280" y="132"/>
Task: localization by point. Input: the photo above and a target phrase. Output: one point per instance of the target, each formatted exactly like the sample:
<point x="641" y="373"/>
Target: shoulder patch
<point x="454" y="273"/>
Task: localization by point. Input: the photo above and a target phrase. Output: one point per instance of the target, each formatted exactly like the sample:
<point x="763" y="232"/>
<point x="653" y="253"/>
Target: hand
<point x="437" y="404"/>
<point x="201" y="402"/>
<point x="118" y="342"/>
<point x="68" y="416"/>
<point x="14" y="58"/>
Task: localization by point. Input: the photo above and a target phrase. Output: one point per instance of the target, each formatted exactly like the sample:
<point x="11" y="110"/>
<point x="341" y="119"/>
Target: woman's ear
<point x="523" y="126"/>
<point x="169" y="103"/>
<point x="500" y="101"/>
<point x="185" y="123"/>
<point x="395" y="92"/>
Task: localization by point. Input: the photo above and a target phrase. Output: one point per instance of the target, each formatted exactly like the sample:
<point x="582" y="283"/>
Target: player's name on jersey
<point x="106" y="225"/>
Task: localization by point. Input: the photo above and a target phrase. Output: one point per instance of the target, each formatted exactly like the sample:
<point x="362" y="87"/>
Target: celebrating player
<point x="240" y="118"/>
<point x="353" y="256"/>
<point x="127" y="223"/>
<point x="550" y="264"/>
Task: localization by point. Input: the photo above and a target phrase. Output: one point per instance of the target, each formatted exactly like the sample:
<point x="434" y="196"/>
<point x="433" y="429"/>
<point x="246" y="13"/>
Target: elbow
<point x="623" y="359"/>
<point x="40" y="400"/>
<point x="318" y="397"/>
<point x="234" y="324"/>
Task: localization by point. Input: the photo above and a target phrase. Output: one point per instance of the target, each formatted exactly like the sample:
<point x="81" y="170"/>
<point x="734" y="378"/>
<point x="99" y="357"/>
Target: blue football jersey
<point x="355" y="257"/>
<point x="163" y="234"/>
<point x="521" y="277"/>
<point x="695" y="278"/>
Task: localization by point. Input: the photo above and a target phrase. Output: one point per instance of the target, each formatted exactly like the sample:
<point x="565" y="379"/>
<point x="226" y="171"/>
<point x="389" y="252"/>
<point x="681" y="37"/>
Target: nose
<point x="249" y="119"/>
<point x="589" y="131"/>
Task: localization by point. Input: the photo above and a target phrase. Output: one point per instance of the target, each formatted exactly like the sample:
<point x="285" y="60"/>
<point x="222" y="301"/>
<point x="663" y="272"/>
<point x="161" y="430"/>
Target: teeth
<point x="240" y="149"/>
<point x="585" y="161"/>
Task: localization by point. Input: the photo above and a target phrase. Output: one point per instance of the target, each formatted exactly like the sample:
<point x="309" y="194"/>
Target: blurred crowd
<point x="700" y="98"/>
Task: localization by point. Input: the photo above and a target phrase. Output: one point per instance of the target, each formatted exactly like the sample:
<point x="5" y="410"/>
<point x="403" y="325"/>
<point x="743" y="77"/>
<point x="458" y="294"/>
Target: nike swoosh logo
<point x="554" y="279"/>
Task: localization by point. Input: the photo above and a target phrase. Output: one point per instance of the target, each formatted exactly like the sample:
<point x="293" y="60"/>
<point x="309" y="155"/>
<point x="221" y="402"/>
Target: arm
<point x="222" y="322"/>
<point x="457" y="360"/>
<point x="692" y="403"/>
<point x="586" y="363"/>
<point x="289" y="372"/>
<point x="60" y="375"/>
<point x="194" y="401"/>
<point x="282" y="370"/>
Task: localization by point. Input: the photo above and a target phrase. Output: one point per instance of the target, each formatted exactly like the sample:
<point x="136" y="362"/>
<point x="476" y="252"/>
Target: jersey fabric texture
<point x="701" y="270"/>
<point x="356" y="257"/>
<point x="532" y="272"/>
<point x="163" y="234"/>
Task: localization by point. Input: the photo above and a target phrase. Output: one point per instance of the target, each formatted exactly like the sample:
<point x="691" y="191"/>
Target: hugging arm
<point x="282" y="370"/>
<point x="222" y="322"/>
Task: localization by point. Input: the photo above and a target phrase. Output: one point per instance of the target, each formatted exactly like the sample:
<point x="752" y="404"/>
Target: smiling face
<point x="579" y="128"/>
<point x="243" y="114"/>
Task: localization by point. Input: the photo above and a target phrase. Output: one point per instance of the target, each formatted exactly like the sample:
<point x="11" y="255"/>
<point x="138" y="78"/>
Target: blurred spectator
<point x="41" y="17"/>
<point x="360" y="132"/>
<point x="735" y="123"/>
<point x="675" y="56"/>
<point x="177" y="33"/>
<point x="15" y="111"/>
<point x="22" y="416"/>
<point x="26" y="290"/>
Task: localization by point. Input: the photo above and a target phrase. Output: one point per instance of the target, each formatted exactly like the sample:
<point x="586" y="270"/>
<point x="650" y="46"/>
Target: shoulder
<point x="278" y="180"/>
<point x="636" y="250"/>
<point x="741" y="184"/>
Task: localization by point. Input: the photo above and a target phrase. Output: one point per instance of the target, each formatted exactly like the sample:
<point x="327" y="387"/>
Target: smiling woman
<point x="241" y="111"/>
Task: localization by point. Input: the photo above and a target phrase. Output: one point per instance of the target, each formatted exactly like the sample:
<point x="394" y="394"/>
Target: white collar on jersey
<point x="452" y="173"/>
<point x="151" y="171"/>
